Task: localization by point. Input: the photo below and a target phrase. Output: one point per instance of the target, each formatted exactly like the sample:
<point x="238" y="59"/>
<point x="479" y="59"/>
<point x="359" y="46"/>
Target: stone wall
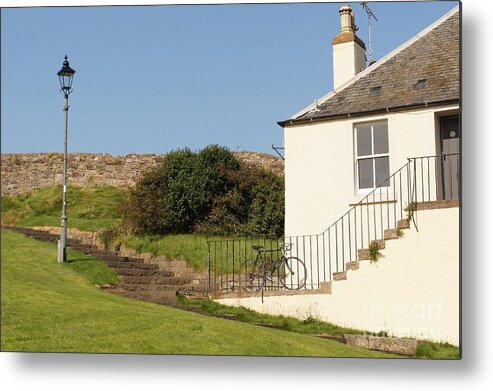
<point x="23" y="173"/>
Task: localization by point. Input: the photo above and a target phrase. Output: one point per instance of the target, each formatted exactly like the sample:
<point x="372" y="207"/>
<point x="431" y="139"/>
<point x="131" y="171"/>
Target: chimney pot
<point x="347" y="19"/>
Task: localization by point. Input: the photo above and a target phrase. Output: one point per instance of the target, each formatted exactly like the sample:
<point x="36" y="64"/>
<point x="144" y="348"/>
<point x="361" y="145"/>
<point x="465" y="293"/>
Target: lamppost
<point x="66" y="76"/>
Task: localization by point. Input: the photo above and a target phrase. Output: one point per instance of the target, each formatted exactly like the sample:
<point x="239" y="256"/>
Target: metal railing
<point x="226" y="261"/>
<point x="437" y="178"/>
<point x="372" y="219"/>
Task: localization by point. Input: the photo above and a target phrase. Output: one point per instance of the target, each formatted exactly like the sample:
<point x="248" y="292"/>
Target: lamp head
<point x="66" y="76"/>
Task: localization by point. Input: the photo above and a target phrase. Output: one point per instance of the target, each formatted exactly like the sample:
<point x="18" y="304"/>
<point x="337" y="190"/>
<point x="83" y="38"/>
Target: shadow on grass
<point x="79" y="260"/>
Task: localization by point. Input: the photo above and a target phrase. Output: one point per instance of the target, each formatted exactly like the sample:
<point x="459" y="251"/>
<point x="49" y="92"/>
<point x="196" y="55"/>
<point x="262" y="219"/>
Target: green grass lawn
<point x="88" y="208"/>
<point x="50" y="307"/>
<point x="310" y="325"/>
<point x="93" y="208"/>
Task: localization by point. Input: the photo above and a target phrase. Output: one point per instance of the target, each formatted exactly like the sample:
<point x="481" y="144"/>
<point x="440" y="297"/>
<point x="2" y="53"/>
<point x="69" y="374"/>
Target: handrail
<point x="358" y="234"/>
<point x="367" y="196"/>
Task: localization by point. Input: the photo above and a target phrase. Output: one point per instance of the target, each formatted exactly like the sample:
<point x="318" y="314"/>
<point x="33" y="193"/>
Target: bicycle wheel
<point x="251" y="276"/>
<point x="292" y="274"/>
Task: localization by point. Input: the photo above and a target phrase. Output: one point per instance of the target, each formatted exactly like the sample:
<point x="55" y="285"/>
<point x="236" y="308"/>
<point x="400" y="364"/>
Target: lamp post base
<point x="61" y="252"/>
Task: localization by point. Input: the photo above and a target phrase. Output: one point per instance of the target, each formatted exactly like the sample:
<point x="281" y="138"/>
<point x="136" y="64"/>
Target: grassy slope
<point x="93" y="208"/>
<point x="88" y="208"/>
<point x="310" y="325"/>
<point x="49" y="307"/>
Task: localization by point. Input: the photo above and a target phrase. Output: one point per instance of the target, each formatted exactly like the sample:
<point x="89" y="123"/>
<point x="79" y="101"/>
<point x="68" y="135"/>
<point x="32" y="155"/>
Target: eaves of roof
<point x="391" y="109"/>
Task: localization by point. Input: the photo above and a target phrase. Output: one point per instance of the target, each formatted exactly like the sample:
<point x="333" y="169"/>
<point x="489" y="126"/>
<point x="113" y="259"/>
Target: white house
<point x="404" y="105"/>
<point x="373" y="189"/>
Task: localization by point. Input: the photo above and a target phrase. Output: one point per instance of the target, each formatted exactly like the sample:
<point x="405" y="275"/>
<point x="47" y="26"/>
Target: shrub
<point x="208" y="192"/>
<point x="267" y="208"/>
<point x="186" y="182"/>
<point x="145" y="208"/>
<point x="226" y="216"/>
<point x="193" y="181"/>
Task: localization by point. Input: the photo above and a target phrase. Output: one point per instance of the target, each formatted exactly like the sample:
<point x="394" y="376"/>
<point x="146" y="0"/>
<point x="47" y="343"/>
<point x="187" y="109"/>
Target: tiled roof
<point x="426" y="71"/>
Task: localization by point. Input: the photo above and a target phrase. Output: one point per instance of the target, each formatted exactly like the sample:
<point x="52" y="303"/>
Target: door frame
<point x="439" y="116"/>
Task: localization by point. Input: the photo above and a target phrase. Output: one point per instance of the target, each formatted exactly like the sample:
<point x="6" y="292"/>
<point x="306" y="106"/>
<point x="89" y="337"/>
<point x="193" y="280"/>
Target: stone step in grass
<point x="131" y="265"/>
<point x="155" y="280"/>
<point x="107" y="258"/>
<point x="142" y="272"/>
<point x="97" y="253"/>
<point x="152" y="287"/>
<point x="141" y="279"/>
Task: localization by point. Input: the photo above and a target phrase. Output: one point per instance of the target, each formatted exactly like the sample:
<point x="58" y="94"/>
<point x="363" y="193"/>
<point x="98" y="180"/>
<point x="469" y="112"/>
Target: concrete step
<point x="339" y="276"/>
<point x="353" y="265"/>
<point x="364" y="254"/>
<point x="380" y="243"/>
<point x="390" y="234"/>
<point x="403" y="224"/>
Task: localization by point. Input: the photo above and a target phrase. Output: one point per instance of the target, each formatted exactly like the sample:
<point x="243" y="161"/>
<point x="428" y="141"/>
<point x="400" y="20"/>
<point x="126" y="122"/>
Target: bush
<point x="145" y="210"/>
<point x="266" y="216"/>
<point x="187" y="183"/>
<point x="208" y="192"/>
<point x="193" y="181"/>
<point x="226" y="216"/>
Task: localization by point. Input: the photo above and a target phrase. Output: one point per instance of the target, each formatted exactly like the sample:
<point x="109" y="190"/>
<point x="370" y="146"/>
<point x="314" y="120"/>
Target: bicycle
<point x="290" y="272"/>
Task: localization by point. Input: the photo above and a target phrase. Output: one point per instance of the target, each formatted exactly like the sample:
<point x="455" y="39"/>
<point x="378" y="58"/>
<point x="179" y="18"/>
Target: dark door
<point x="450" y="139"/>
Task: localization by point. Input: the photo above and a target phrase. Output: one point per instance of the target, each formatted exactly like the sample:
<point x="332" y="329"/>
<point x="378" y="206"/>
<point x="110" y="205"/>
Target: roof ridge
<point x="380" y="62"/>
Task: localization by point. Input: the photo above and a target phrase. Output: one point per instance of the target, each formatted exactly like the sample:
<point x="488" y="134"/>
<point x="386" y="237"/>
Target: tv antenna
<point x="370" y="15"/>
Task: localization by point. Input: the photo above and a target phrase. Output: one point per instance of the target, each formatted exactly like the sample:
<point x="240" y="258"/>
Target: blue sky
<point x="156" y="78"/>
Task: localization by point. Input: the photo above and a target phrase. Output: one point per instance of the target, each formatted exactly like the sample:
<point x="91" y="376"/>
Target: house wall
<point x="320" y="164"/>
<point x="412" y="291"/>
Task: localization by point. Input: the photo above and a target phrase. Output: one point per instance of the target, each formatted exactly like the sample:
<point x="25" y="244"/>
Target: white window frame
<point x="373" y="156"/>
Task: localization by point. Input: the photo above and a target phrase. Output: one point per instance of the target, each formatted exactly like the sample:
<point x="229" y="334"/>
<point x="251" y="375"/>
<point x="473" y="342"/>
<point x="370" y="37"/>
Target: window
<point x="372" y="155"/>
<point x="375" y="91"/>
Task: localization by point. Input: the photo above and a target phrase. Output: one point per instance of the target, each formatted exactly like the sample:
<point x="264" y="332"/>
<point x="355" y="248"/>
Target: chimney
<point x="348" y="49"/>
